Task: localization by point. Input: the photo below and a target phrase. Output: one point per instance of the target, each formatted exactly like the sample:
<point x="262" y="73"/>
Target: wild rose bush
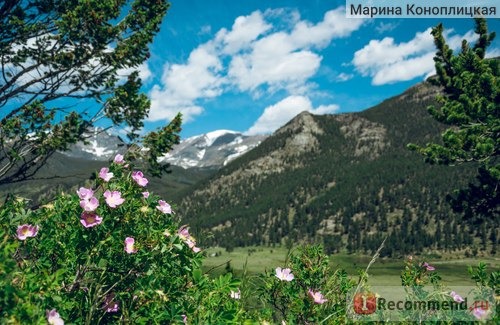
<point x="114" y="252"/>
<point x="305" y="290"/>
<point x="110" y="252"/>
<point x="423" y="283"/>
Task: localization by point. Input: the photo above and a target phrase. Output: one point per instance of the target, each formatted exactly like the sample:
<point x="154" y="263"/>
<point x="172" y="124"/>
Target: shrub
<point x="111" y="252"/>
<point x="305" y="290"/>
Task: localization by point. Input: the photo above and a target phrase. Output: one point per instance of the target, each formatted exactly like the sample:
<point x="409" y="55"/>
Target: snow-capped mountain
<point x="101" y="145"/>
<point x="213" y="149"/>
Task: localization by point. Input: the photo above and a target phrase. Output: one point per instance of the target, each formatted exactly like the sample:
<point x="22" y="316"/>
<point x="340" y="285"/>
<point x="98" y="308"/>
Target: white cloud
<point x="385" y="27"/>
<point x="183" y="84"/>
<point x="388" y="62"/>
<point x="333" y="25"/>
<point x="165" y="106"/>
<point x="276" y="68"/>
<point x="455" y="41"/>
<point x="404" y="70"/>
<point x="245" y="30"/>
<point x="341" y="77"/>
<point x="381" y="53"/>
<point x="254" y="56"/>
<point x="144" y="72"/>
<point x="287" y="59"/>
<point x="493" y="53"/>
<point x="276" y="115"/>
<point x="197" y="78"/>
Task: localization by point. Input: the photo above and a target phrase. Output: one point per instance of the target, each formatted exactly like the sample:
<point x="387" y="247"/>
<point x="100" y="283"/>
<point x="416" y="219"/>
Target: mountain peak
<point x="212" y="149"/>
<point x="303" y="122"/>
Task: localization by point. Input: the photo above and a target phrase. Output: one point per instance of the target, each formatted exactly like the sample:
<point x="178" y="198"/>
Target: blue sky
<point x="252" y="65"/>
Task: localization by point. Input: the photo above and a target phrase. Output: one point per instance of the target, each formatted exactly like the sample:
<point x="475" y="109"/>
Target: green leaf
<point x="197" y="275"/>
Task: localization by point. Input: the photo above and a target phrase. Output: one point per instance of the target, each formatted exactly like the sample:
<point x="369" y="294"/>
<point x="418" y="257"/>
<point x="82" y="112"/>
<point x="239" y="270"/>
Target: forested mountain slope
<point x="346" y="180"/>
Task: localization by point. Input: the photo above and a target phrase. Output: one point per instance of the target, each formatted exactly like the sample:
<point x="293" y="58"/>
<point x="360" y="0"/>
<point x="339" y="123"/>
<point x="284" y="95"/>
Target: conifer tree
<point x="470" y="105"/>
<point x="66" y="64"/>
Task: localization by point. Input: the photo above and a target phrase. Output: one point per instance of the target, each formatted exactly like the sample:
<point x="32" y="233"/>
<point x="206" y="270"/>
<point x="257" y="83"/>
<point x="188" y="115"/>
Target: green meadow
<point x="384" y="271"/>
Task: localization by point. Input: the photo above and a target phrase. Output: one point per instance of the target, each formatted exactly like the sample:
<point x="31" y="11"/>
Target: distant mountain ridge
<point x="213" y="149"/>
<point x="192" y="160"/>
<point x="100" y="145"/>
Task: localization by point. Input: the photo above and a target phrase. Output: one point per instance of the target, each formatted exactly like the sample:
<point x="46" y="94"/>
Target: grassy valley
<point x="253" y="260"/>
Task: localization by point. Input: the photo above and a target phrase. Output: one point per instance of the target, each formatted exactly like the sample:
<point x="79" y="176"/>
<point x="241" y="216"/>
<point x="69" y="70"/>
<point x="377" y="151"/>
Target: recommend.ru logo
<point x="421" y="303"/>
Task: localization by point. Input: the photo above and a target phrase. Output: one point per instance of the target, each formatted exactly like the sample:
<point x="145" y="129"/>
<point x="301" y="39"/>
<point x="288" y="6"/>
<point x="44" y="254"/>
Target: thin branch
<point x="217" y="266"/>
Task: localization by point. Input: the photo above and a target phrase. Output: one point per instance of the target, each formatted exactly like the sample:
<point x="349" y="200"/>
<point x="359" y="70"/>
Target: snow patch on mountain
<point x="99" y="151"/>
<point x="210" y="137"/>
<point x="100" y="145"/>
<point x="239" y="151"/>
<point x="201" y="153"/>
<point x="213" y="149"/>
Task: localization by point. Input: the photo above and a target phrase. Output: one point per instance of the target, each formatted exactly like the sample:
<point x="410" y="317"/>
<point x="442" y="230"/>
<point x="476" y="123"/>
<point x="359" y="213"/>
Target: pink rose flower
<point x="139" y="178"/>
<point x="317" y="297"/>
<point x="189" y="240"/>
<point x="164" y="207"/>
<point x="105" y="174"/>
<point x="113" y="198"/>
<point x="118" y="159"/>
<point x="192" y="244"/>
<point x="89" y="205"/>
<point x="428" y="266"/>
<point x="284" y="274"/>
<point x="129" y="245"/>
<point x="480" y="313"/>
<point x="183" y="233"/>
<point x="90" y="219"/>
<point x="456" y="297"/>
<point x="54" y="318"/>
<point x="85" y="193"/>
<point x="25" y="231"/>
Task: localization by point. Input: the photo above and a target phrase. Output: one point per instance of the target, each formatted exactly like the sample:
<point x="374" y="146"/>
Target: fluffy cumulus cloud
<point x="386" y="61"/>
<point x="334" y="25"/>
<point x="257" y="55"/>
<point x="245" y="30"/>
<point x="278" y="114"/>
<point x="183" y="84"/>
<point x="287" y="59"/>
